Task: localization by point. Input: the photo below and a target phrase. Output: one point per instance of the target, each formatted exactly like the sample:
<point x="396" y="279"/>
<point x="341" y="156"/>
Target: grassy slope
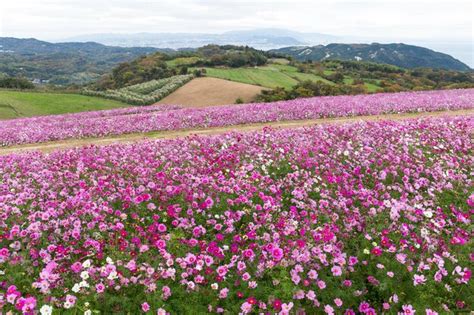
<point x="263" y="76"/>
<point x="272" y="76"/>
<point x="14" y="104"/>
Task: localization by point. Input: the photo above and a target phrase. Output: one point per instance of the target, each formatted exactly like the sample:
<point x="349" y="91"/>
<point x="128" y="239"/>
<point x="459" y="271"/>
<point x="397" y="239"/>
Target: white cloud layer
<point x="387" y="19"/>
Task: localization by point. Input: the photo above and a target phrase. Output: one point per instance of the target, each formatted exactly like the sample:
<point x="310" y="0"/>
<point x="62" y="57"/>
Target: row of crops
<point x="144" y="93"/>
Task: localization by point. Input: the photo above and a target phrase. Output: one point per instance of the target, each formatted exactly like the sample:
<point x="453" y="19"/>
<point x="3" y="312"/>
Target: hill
<point x="14" y="104"/>
<point x="202" y="92"/>
<point x="401" y="55"/>
<point x="290" y="79"/>
<point x="160" y="65"/>
<point x="63" y="63"/>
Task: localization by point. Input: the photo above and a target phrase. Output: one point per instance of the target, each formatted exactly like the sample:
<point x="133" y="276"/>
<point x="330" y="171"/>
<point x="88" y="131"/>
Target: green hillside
<point x="275" y="75"/>
<point x="15" y="104"/>
<point x="263" y="76"/>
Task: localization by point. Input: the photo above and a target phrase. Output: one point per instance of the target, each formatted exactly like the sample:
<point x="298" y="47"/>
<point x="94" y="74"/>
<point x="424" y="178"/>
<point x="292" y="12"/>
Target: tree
<point x="16" y="83"/>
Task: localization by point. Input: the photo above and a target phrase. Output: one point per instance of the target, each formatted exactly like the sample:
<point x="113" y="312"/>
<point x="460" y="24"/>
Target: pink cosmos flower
<point x="328" y="309"/>
<point x="277" y="254"/>
<point x="363" y="307"/>
<point x="76" y="267"/>
<point x="246" y="308"/>
<point x="100" y="287"/>
<point x="407" y="310"/>
<point x="313" y="274"/>
<point x="353" y="260"/>
<point x="321" y="284"/>
<point x="336" y="271"/>
<point x="376" y="251"/>
<point x="418" y="279"/>
<point x="145" y="307"/>
<point x="286" y="308"/>
<point x="223" y="293"/>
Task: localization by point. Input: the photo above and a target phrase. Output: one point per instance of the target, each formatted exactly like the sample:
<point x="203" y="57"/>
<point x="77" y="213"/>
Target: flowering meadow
<point x="160" y="118"/>
<point x="362" y="218"/>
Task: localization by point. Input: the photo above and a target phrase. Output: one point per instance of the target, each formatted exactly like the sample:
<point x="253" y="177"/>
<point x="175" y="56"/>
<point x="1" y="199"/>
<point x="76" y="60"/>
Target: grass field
<point x="273" y="75"/>
<point x="262" y="76"/>
<point x="15" y="104"/>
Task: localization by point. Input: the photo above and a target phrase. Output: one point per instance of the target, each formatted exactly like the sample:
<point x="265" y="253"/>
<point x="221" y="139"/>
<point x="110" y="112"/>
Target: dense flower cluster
<point x="144" y="93"/>
<point x="146" y="119"/>
<point x="363" y="218"/>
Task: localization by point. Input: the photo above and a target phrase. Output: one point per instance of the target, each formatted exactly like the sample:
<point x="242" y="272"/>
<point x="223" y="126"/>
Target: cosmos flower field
<point x="161" y="118"/>
<point x="361" y="218"/>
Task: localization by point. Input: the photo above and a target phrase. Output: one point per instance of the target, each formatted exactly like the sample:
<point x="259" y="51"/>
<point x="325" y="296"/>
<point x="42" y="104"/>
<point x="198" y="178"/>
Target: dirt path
<point x="128" y="138"/>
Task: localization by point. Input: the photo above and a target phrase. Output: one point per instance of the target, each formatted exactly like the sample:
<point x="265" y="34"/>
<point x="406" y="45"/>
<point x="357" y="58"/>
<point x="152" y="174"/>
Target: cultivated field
<point x="362" y="217"/>
<point x="346" y="204"/>
<point x="202" y="92"/>
<point x="15" y="104"/>
<point x="183" y="133"/>
<point x="161" y="118"/>
<point x="145" y="93"/>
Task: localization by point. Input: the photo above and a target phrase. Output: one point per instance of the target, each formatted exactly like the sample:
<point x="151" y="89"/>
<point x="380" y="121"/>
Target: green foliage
<point x="239" y="101"/>
<point x="310" y="89"/>
<point x="142" y="69"/>
<point x="350" y="77"/>
<point x="231" y="56"/>
<point x="336" y="77"/>
<point x="16" y="83"/>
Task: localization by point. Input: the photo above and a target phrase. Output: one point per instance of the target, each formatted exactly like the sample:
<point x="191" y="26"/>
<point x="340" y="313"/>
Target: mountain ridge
<point x="397" y="54"/>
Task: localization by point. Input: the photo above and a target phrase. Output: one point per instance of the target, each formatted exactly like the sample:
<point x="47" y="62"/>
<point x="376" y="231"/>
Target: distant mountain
<point x="406" y="56"/>
<point x="63" y="63"/>
<point x="257" y="38"/>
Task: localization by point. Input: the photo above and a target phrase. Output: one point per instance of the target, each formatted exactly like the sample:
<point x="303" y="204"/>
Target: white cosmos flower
<point x="46" y="310"/>
<point x="428" y="214"/>
<point x="84" y="275"/>
<point x="76" y="288"/>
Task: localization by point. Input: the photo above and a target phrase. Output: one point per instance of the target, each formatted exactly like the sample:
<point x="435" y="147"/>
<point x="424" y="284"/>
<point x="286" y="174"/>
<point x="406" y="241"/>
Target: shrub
<point x="16" y="83"/>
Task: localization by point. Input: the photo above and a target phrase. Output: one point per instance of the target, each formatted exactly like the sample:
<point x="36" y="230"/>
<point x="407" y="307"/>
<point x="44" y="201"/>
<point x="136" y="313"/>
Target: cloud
<point x="403" y="19"/>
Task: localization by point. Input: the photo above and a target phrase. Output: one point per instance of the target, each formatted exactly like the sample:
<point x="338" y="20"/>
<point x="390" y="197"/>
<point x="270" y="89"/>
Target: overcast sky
<point x="391" y="19"/>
